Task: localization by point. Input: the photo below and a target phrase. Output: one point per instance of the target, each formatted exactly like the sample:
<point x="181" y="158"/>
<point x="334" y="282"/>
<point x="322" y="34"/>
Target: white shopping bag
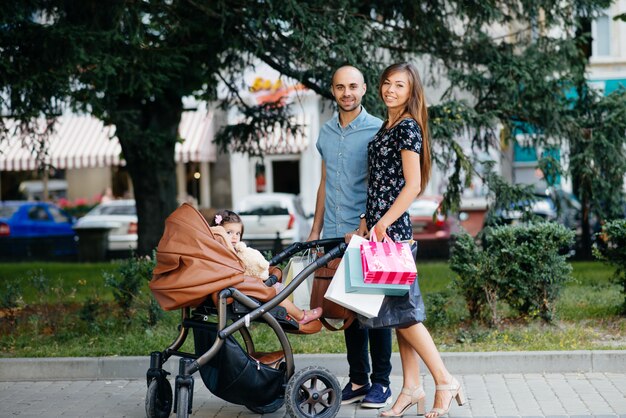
<point x="364" y="304"/>
<point x="301" y="297"/>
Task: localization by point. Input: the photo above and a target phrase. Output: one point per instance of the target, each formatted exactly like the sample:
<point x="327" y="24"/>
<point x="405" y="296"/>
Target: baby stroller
<point x="197" y="273"/>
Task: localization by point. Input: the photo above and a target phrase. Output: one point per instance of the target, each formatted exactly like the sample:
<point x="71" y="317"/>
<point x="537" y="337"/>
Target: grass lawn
<point x="67" y="310"/>
<point x="80" y="279"/>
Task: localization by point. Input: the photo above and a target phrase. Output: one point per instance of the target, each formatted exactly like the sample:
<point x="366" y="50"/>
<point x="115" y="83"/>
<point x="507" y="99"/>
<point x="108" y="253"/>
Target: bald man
<point x="340" y="209"/>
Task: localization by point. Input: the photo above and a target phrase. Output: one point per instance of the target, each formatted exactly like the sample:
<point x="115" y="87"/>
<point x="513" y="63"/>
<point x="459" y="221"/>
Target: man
<point x="340" y="209"/>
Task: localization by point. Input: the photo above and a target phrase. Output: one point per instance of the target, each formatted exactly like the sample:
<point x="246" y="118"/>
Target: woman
<point x="399" y="169"/>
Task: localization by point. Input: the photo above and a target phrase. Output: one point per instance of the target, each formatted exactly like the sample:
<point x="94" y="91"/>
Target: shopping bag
<point x="387" y="262"/>
<point x="301" y="296"/>
<point x="355" y="282"/>
<point x="362" y="303"/>
<point x="335" y="317"/>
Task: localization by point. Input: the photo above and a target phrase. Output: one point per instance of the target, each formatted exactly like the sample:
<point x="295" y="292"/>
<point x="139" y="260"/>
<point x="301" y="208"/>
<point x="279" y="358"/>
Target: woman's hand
<point x="380" y="231"/>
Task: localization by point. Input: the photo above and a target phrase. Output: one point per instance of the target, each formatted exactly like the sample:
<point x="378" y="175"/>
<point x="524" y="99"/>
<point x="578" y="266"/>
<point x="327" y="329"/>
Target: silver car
<point x="272" y="220"/>
<point x="120" y="217"/>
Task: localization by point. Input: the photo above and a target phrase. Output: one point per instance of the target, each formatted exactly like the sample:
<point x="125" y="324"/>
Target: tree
<point x="130" y="63"/>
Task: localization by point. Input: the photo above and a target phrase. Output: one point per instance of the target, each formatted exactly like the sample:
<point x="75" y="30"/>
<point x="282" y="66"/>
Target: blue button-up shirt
<point x="344" y="150"/>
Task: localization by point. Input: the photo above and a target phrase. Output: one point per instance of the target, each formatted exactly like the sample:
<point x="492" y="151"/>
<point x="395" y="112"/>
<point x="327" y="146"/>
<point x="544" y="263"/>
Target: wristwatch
<point x="362" y="216"/>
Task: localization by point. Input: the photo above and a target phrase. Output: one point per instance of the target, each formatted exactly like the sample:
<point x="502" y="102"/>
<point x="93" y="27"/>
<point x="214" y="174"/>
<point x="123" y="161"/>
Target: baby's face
<point x="234" y="232"/>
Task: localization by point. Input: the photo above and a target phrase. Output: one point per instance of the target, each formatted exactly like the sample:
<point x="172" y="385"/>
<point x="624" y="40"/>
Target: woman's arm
<point x="412" y="178"/>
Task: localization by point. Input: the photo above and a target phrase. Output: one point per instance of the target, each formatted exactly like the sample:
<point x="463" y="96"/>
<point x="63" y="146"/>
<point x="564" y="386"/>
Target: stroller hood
<point x="192" y="261"/>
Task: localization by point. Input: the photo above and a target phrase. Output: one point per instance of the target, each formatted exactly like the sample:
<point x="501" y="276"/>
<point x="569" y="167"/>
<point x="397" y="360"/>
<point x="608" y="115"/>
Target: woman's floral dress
<point x="386" y="180"/>
<point x="386" y="177"/>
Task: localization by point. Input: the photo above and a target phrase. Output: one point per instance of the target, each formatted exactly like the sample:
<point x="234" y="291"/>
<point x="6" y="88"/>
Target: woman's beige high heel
<point x="457" y="393"/>
<point x="417" y="397"/>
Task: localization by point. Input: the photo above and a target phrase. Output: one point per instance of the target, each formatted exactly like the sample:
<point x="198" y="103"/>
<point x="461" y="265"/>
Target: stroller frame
<point x="302" y="395"/>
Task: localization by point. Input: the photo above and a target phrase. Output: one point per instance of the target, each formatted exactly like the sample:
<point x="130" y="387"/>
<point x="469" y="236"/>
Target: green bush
<point x="474" y="275"/>
<point x="529" y="262"/>
<point x="521" y="265"/>
<point x="611" y="247"/>
<point x="128" y="286"/>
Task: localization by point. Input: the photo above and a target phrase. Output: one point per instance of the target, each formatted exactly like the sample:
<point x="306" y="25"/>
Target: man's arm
<point x="318" y="217"/>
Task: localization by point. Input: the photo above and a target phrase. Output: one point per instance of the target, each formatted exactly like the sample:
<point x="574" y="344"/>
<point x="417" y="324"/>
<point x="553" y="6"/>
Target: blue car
<point x="37" y="230"/>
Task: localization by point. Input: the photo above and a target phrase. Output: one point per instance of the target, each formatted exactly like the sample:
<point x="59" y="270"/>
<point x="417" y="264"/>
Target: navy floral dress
<point x="386" y="177"/>
<point x="386" y="180"/>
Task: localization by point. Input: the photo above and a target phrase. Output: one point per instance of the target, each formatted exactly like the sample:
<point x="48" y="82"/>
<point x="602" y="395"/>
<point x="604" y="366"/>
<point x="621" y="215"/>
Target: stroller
<point x="197" y="273"/>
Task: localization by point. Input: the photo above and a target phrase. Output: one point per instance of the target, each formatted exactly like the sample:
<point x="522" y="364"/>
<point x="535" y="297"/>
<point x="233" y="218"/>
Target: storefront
<point x="290" y="163"/>
<point x="85" y="153"/>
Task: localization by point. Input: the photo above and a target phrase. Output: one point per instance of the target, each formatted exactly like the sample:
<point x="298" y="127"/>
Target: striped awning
<point x="82" y="141"/>
<point x="197" y="131"/>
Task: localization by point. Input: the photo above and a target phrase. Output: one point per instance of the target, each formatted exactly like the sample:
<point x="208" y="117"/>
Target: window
<point x="7" y="211"/>
<point x="38" y="213"/>
<point x="58" y="216"/>
<point x="601" y="46"/>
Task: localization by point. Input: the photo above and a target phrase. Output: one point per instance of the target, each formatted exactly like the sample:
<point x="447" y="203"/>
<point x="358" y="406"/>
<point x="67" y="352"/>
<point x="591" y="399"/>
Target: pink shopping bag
<point x="387" y="262"/>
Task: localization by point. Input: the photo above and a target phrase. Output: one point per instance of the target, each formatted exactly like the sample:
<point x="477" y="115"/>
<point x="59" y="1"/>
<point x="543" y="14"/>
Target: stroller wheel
<point x="269" y="408"/>
<point x="159" y="399"/>
<point x="313" y="392"/>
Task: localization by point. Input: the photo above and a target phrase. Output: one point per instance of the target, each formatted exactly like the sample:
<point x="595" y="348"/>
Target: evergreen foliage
<point x="130" y="63"/>
<point x="611" y="247"/>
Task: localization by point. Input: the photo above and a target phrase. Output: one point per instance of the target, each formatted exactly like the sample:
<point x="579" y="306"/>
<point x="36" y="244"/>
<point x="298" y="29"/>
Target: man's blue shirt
<point x="344" y="150"/>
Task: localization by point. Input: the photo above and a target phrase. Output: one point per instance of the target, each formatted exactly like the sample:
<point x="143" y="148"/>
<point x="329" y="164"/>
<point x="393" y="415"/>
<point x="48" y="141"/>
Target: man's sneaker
<point x="377" y="397"/>
<point x="349" y="396"/>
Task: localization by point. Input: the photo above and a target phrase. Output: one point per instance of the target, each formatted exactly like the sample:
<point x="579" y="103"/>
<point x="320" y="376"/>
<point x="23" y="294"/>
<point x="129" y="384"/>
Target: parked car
<point x="433" y="231"/>
<point x="120" y="217"/>
<point x="272" y="220"/>
<point x="542" y="207"/>
<point x="553" y="205"/>
<point x="30" y="229"/>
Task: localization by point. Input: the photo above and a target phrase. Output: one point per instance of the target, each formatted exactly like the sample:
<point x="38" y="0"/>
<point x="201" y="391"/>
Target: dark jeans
<point x="358" y="358"/>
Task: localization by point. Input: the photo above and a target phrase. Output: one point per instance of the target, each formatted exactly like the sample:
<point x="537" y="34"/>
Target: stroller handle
<point x="259" y="310"/>
<point x="296" y="247"/>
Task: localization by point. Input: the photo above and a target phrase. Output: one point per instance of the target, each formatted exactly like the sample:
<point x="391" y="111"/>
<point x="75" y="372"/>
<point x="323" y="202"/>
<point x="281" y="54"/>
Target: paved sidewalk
<point x="490" y="395"/>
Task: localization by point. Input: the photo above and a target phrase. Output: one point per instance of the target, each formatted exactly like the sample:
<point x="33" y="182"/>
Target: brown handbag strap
<point x="346" y="324"/>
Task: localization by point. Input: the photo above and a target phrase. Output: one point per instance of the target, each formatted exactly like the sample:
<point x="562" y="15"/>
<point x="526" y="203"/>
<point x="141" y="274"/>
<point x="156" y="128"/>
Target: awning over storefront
<point x="197" y="129"/>
<point x="85" y="142"/>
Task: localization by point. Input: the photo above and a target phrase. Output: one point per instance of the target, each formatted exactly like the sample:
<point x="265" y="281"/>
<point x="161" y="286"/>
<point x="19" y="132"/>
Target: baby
<point x="256" y="265"/>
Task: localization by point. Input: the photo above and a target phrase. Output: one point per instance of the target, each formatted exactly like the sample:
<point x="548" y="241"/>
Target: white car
<point x="120" y="217"/>
<point x="272" y="219"/>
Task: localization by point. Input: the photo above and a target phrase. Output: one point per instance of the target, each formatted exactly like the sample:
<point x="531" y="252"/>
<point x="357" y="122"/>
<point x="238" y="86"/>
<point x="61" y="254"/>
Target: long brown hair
<point x="416" y="107"/>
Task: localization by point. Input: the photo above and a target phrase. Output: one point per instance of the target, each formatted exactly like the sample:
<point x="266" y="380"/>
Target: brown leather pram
<point x="197" y="273"/>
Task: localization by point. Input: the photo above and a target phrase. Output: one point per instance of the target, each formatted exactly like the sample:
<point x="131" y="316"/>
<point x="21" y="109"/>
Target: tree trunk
<point x="148" y="134"/>
<point x="585" y="237"/>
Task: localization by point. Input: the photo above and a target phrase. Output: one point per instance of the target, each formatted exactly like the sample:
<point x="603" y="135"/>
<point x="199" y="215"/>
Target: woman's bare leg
<point x="418" y="337"/>
<point x="410" y="372"/>
<point x="410" y="363"/>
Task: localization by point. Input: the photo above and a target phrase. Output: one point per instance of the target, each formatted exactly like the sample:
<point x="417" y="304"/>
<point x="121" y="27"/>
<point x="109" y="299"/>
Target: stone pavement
<point x="498" y="384"/>
<point x="592" y="394"/>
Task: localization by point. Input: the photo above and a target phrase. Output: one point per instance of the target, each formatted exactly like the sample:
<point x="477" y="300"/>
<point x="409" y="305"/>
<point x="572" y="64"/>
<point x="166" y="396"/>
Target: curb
<point x="130" y="368"/>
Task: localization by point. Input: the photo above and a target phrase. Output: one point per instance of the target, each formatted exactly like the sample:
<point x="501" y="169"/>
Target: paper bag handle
<point x="385" y="237"/>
